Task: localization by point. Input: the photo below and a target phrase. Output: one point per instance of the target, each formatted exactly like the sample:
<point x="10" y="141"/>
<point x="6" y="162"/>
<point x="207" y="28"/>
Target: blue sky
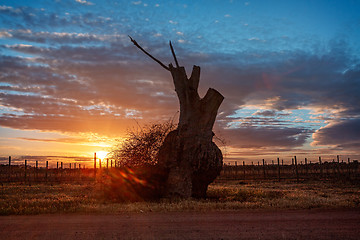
<point x="71" y="81"/>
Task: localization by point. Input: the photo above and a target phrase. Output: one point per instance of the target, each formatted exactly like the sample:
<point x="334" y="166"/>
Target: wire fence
<point x="33" y="172"/>
<point x="347" y="170"/>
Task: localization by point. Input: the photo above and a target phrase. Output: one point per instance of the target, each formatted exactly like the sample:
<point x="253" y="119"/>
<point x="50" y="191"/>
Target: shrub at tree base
<point x="132" y="184"/>
<point x="140" y="177"/>
<point x="141" y="146"/>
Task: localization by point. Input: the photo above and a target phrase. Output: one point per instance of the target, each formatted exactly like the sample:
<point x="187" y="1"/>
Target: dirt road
<point x="247" y="224"/>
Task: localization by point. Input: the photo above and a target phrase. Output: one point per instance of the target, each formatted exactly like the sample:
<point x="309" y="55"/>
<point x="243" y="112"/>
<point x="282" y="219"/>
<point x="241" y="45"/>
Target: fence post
<point x="61" y="171"/>
<point x="107" y="163"/>
<point x="296" y="169"/>
<point x="252" y="169"/>
<point x="9" y="179"/>
<point x="264" y="168"/>
<point x="57" y="171"/>
<point x="244" y="170"/>
<point x="321" y="170"/>
<point x="36" y="171"/>
<point x="236" y="170"/>
<point x="111" y="163"/>
<point x="278" y="163"/>
<point x="46" y="172"/>
<point x="94" y="165"/>
<point x="25" y="171"/>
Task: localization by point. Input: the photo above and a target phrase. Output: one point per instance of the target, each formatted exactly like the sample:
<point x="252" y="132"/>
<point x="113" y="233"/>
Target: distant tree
<point x="141" y="146"/>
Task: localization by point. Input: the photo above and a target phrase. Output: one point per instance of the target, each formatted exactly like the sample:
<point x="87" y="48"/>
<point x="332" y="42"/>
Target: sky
<point x="72" y="83"/>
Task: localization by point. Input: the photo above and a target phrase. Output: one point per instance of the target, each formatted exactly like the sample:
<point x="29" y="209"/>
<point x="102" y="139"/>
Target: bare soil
<point x="244" y="224"/>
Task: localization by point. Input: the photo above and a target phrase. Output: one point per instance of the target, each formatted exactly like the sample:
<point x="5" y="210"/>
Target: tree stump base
<point x="192" y="163"/>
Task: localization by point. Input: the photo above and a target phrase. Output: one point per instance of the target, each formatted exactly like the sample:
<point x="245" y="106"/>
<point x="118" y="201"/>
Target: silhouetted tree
<point x="188" y="155"/>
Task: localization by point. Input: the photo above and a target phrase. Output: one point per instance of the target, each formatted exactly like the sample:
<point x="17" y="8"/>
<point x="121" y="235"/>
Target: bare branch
<point x="173" y="53"/>
<point x="153" y="58"/>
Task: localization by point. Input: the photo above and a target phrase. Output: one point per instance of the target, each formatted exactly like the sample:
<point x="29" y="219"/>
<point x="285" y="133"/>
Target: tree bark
<point x="189" y="155"/>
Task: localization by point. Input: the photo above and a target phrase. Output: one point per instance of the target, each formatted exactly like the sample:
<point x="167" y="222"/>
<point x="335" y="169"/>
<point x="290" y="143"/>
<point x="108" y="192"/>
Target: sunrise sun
<point x="101" y="154"/>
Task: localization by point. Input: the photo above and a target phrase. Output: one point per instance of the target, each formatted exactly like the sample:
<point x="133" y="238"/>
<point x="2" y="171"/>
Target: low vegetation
<point x="141" y="146"/>
<point x="18" y="199"/>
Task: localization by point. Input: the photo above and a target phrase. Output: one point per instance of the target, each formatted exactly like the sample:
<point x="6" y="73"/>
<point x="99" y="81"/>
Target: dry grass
<point x="90" y="198"/>
<point x="289" y="195"/>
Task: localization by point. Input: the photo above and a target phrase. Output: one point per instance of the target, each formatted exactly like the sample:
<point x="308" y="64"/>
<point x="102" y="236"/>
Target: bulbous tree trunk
<point x="188" y="154"/>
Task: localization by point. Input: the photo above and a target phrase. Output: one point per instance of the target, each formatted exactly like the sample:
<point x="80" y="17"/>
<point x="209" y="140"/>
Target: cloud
<point x="5" y="34"/>
<point x="84" y="2"/>
<point x="56" y="140"/>
<point x="81" y="89"/>
<point x="10" y="10"/>
<point x="265" y="137"/>
<point x="65" y="37"/>
<point x="99" y="77"/>
<point x="267" y="113"/>
<point x="299" y="79"/>
<point x="326" y="82"/>
<point x="288" y="89"/>
<point x="104" y="125"/>
<point x="343" y="134"/>
<point x="40" y="20"/>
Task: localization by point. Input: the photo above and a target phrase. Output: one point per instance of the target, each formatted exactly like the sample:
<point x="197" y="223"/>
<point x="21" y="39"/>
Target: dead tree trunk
<point x="188" y="154"/>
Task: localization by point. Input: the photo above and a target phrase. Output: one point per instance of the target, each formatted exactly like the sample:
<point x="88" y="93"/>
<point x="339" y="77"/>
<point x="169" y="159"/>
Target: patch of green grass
<point x="90" y="198"/>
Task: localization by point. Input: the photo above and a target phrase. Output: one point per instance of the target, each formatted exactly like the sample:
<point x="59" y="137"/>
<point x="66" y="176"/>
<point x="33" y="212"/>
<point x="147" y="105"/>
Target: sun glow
<point x="101" y="154"/>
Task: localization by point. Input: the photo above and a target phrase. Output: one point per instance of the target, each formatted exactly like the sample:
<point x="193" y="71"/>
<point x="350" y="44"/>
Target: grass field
<point x="230" y="195"/>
